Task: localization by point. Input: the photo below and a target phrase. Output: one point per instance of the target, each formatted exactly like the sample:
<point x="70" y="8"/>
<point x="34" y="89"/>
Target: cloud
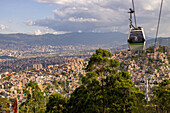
<point x="102" y="15"/>
<point x="38" y="32"/>
<point x="68" y="2"/>
<point x="3" y="27"/>
<point x="10" y="21"/>
<point x="59" y="32"/>
<point x="82" y="18"/>
<point x="72" y="19"/>
<point x="29" y="22"/>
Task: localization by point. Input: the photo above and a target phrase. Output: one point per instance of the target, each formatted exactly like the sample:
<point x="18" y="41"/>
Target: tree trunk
<point x="103" y="92"/>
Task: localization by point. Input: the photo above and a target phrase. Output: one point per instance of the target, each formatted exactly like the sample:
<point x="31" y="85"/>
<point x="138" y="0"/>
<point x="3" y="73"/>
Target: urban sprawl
<point x="63" y="73"/>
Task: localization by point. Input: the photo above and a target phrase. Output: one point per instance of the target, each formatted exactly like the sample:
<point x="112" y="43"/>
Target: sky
<point x="63" y="16"/>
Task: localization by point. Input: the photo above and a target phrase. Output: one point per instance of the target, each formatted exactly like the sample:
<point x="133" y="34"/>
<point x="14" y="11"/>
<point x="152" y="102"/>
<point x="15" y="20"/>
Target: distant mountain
<point x="150" y="42"/>
<point x="161" y="41"/>
<point x="112" y="38"/>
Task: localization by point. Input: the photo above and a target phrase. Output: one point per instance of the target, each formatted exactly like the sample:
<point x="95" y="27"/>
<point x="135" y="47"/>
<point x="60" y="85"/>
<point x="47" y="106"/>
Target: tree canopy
<point x="4" y="102"/>
<point x="104" y="89"/>
<point x="36" y="101"/>
<point x="162" y="96"/>
<point x="56" y="103"/>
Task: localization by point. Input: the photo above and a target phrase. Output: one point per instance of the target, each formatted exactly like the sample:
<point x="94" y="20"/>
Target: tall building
<point x="69" y="61"/>
<point x="80" y="60"/>
<point x="37" y="66"/>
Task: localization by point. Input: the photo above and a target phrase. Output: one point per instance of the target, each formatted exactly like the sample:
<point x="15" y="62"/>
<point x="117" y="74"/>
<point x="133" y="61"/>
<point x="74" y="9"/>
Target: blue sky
<point x="14" y="14"/>
<point x="61" y="16"/>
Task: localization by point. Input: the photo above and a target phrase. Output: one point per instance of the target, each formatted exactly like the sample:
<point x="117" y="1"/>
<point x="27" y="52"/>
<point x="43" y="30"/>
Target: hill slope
<point x="114" y="38"/>
<point x="111" y="39"/>
<point x="161" y="41"/>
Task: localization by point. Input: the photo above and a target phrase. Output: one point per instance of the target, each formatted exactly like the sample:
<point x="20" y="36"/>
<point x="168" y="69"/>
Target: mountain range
<point x="86" y="38"/>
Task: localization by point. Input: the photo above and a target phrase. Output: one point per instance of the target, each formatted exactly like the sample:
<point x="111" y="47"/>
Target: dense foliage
<point x="36" y="101"/>
<point x="162" y="97"/>
<point x="120" y="95"/>
<point x="104" y="89"/>
<point x="56" y="104"/>
<point x="4" y="103"/>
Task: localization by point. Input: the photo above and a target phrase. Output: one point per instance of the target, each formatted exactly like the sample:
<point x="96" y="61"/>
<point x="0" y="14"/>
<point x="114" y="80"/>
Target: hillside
<point x="161" y="41"/>
<point x="113" y="38"/>
<point x="150" y="42"/>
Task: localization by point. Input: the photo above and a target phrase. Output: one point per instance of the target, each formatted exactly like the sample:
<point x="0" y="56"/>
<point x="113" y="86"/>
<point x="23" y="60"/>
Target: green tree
<point x="36" y="101"/>
<point x="150" y="71"/>
<point x="162" y="97"/>
<point x="55" y="82"/>
<point x="122" y="95"/>
<point x="64" y="73"/>
<point x="56" y="103"/>
<point x="102" y="64"/>
<point x="4" y="105"/>
<point x="103" y="89"/>
<point x="62" y="84"/>
<point x="86" y="99"/>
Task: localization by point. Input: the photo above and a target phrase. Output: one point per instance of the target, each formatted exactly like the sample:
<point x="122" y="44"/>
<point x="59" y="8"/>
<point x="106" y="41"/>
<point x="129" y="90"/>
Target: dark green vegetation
<point x="4" y="103"/>
<point x="7" y="78"/>
<point x="160" y="102"/>
<point x="104" y="90"/>
<point x="36" y="100"/>
<point x="162" y="97"/>
<point x="56" y="104"/>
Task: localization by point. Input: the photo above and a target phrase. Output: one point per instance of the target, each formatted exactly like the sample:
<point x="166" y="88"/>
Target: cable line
<point x="134" y="13"/>
<point x="158" y="23"/>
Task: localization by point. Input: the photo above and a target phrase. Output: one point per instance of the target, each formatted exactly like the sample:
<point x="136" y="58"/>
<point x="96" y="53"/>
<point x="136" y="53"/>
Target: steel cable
<point x="134" y="13"/>
<point x="158" y="23"/>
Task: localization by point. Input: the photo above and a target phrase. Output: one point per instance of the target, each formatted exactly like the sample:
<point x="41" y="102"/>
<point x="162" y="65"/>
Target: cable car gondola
<point x="136" y="38"/>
